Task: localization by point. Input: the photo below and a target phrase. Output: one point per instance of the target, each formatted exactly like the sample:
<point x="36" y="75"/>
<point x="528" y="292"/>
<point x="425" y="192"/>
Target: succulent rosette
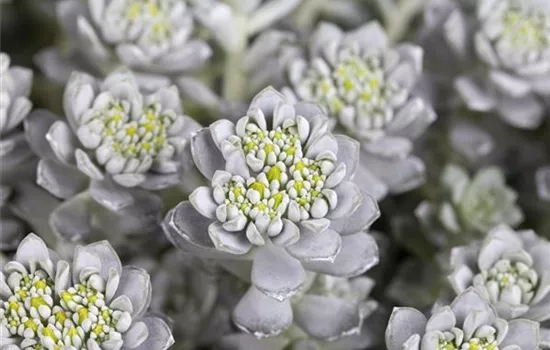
<point x="281" y="200"/>
<point x="510" y="43"/>
<point x="187" y="290"/>
<point x="367" y="88"/>
<point x="15" y="156"/>
<point x="470" y="322"/>
<point x="330" y="313"/>
<point x="153" y="37"/>
<point x="469" y="207"/>
<point x="510" y="269"/>
<point x="113" y="150"/>
<point x="14" y="108"/>
<point x="90" y="303"/>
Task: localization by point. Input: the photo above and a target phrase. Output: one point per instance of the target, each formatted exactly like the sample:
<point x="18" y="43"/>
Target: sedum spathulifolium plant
<point x="511" y="270"/>
<point x="14" y="151"/>
<point x="91" y="302"/>
<point x="469" y="206"/>
<point x="367" y="88"/>
<point x="504" y="48"/>
<point x="280" y="199"/>
<point x="329" y="313"/>
<point x="470" y="322"/>
<point x="112" y="151"/>
<point x="155" y="38"/>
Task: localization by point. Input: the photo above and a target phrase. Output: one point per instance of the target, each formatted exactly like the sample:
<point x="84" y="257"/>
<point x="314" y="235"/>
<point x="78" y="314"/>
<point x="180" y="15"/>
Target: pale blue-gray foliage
<point x="470" y="319"/>
<point x="510" y="42"/>
<point x="155" y="39"/>
<point x="115" y="147"/>
<point x="16" y="163"/>
<point x="368" y="89"/>
<point x="509" y="269"/>
<point x="329" y="312"/>
<point x="280" y="201"/>
<point x="469" y="207"/>
<point x="94" y="287"/>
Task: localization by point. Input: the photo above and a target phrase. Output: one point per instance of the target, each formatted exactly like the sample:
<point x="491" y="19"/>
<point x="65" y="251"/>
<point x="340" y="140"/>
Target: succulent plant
<point x="115" y="147"/>
<point x="469" y="207"/>
<point x="154" y="38"/>
<point x="509" y="41"/>
<point x="15" y="155"/>
<point x="281" y="198"/>
<point x="367" y="88"/>
<point x="470" y="322"/>
<point x="329" y="313"/>
<point x="92" y="302"/>
<point x="509" y="269"/>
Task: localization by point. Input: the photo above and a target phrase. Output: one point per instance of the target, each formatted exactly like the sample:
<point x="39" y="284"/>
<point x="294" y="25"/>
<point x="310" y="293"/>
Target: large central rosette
<point x="281" y="195"/>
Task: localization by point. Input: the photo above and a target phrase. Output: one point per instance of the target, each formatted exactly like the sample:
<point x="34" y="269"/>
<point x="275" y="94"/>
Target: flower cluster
<point x="152" y="37"/>
<point x="469" y="322"/>
<point x="510" y="41"/>
<point x="367" y="88"/>
<point x="91" y="303"/>
<point x="336" y="160"/>
<point x="470" y="207"/>
<point x="280" y="195"/>
<point x="510" y="270"/>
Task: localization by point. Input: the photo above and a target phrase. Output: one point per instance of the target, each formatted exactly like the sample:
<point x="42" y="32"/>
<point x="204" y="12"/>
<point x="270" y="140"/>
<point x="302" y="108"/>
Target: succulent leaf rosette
<point x="15" y="156"/>
<point x="470" y="207"/>
<point x="367" y="88"/>
<point x="281" y="198"/>
<point x="510" y="43"/>
<point x="470" y="322"/>
<point x="14" y="108"/>
<point x="510" y="269"/>
<point x="330" y="313"/>
<point x="115" y="148"/>
<point x="153" y="37"/>
<point x="90" y="303"/>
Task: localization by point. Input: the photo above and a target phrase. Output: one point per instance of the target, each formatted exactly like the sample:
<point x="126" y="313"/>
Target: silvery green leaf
<point x="399" y="175"/>
<point x="542" y="180"/>
<point x="472" y="142"/>
<point x="261" y="315"/>
<point x="198" y="92"/>
<point x="220" y="19"/>
<point x="525" y="112"/>
<point x="268" y="13"/>
<point x="15" y="90"/>
<point x="475" y="97"/>
<point x="327" y="318"/>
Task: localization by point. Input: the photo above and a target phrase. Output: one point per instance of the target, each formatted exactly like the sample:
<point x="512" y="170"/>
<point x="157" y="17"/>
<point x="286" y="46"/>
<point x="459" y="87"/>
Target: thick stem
<point x="306" y="15"/>
<point x="234" y="77"/>
<point x="398" y="16"/>
<point x="399" y="24"/>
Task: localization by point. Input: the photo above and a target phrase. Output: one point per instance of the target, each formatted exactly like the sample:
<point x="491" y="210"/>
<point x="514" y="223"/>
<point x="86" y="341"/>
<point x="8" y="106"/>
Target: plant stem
<point x="407" y="10"/>
<point x="234" y="77"/>
<point x="398" y="17"/>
